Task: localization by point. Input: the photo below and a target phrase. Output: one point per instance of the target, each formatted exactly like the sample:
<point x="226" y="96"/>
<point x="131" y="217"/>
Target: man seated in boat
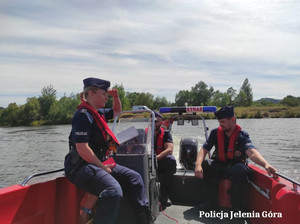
<point x="163" y="145"/>
<point x="90" y="141"/>
<point x="232" y="148"/>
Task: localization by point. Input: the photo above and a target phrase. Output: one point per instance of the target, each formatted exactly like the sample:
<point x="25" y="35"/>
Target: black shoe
<point x="206" y="206"/>
<point x="165" y="202"/>
<point x="145" y="217"/>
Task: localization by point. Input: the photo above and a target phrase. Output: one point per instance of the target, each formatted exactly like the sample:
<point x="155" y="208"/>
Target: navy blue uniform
<point x="243" y="143"/>
<point x="235" y="169"/>
<point x="93" y="179"/>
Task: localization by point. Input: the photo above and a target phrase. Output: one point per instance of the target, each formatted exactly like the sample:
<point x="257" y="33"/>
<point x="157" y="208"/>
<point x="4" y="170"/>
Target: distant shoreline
<point x="261" y="112"/>
<point x="241" y="113"/>
<point x="268" y="112"/>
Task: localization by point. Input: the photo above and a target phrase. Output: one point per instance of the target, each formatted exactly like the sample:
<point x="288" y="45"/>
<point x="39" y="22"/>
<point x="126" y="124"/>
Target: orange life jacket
<point x="166" y="123"/>
<point x="160" y="141"/>
<point x="231" y="145"/>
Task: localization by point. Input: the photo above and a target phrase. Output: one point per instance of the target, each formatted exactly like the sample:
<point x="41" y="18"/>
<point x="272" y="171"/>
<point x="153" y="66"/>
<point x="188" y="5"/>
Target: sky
<point x="155" y="46"/>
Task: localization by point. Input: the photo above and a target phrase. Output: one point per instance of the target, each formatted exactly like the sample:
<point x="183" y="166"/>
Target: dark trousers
<point x="109" y="188"/>
<point x="238" y="174"/>
<point x="166" y="170"/>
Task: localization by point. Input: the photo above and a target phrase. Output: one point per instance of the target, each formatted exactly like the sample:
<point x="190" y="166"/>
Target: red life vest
<point x="166" y="123"/>
<point x="160" y="141"/>
<point x="108" y="135"/>
<point x="231" y="145"/>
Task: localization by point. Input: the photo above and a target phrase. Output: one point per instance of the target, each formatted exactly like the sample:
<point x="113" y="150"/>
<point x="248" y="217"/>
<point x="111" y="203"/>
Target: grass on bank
<point x="258" y="112"/>
<point x="267" y="112"/>
<point x="274" y="111"/>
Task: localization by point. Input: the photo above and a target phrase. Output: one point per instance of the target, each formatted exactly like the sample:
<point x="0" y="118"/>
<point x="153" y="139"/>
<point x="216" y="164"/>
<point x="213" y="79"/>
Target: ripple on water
<point x="27" y="150"/>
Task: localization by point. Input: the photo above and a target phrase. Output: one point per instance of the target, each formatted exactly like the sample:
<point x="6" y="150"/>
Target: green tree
<point x="245" y="96"/>
<point x="220" y="99"/>
<point x="182" y="97"/>
<point x="231" y="92"/>
<point x="240" y="99"/>
<point x="132" y="98"/>
<point x="122" y="95"/>
<point x="264" y="102"/>
<point x="46" y="100"/>
<point x="10" y="115"/>
<point x="201" y="94"/>
<point x="1" y="111"/>
<point x="31" y="111"/>
<point x="62" y="111"/>
<point x="136" y="98"/>
<point x="290" y="101"/>
<point x="145" y="99"/>
<point x="160" y="102"/>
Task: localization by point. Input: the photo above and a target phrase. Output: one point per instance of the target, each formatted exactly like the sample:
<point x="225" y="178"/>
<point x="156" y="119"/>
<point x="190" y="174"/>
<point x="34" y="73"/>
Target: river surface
<point x="27" y="150"/>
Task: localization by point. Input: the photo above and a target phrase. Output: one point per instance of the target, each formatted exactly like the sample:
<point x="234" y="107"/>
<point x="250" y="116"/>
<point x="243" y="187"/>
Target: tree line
<point x="47" y="109"/>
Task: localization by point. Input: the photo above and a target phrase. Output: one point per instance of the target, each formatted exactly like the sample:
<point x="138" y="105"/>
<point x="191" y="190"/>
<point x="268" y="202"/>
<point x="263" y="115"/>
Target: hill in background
<point x="271" y="100"/>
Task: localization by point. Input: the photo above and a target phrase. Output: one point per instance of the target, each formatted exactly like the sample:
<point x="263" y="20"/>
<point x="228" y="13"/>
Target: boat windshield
<point x="133" y="130"/>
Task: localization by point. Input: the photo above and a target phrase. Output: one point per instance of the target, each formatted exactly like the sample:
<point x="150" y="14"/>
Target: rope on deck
<point x="169" y="217"/>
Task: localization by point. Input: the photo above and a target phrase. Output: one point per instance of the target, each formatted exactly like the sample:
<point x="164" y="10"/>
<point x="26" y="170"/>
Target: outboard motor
<point x="188" y="152"/>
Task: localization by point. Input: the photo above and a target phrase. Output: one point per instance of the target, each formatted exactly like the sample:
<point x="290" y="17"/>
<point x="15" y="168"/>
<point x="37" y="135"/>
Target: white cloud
<point x="155" y="46"/>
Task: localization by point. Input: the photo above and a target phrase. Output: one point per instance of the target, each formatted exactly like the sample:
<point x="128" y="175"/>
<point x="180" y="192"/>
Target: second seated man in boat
<point x="232" y="148"/>
<point x="163" y="145"/>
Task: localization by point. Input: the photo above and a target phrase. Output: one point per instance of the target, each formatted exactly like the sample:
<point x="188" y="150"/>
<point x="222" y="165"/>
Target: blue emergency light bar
<point x="191" y="109"/>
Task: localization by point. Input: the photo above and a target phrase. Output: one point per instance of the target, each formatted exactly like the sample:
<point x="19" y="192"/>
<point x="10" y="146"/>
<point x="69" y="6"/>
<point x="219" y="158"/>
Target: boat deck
<point x="190" y="215"/>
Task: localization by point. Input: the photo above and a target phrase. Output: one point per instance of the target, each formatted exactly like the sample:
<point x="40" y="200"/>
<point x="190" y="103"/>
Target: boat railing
<point x="27" y="179"/>
<point x="266" y="192"/>
<point x="296" y="184"/>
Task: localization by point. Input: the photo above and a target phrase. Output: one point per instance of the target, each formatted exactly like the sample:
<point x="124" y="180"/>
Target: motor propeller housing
<point x="188" y="152"/>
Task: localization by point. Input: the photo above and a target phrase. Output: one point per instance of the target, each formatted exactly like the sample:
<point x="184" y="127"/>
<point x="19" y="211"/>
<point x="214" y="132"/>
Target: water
<point x="276" y="139"/>
<point x="27" y="150"/>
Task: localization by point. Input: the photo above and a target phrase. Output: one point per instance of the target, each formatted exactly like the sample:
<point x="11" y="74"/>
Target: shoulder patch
<point x="89" y="116"/>
<point x="83" y="111"/>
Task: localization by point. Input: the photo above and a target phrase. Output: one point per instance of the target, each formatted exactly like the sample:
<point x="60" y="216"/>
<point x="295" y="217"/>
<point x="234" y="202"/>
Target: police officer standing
<point x="90" y="141"/>
<point x="232" y="148"/>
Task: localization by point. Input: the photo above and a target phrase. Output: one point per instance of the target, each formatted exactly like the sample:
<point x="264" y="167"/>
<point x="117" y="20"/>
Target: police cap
<point x="100" y="83"/>
<point x="157" y="114"/>
<point x="225" y="112"/>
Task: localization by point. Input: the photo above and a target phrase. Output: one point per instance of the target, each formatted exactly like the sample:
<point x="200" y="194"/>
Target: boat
<point x="44" y="198"/>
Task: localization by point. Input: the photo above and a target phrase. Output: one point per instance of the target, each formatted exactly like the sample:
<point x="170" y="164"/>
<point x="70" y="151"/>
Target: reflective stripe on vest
<point x="231" y="145"/>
